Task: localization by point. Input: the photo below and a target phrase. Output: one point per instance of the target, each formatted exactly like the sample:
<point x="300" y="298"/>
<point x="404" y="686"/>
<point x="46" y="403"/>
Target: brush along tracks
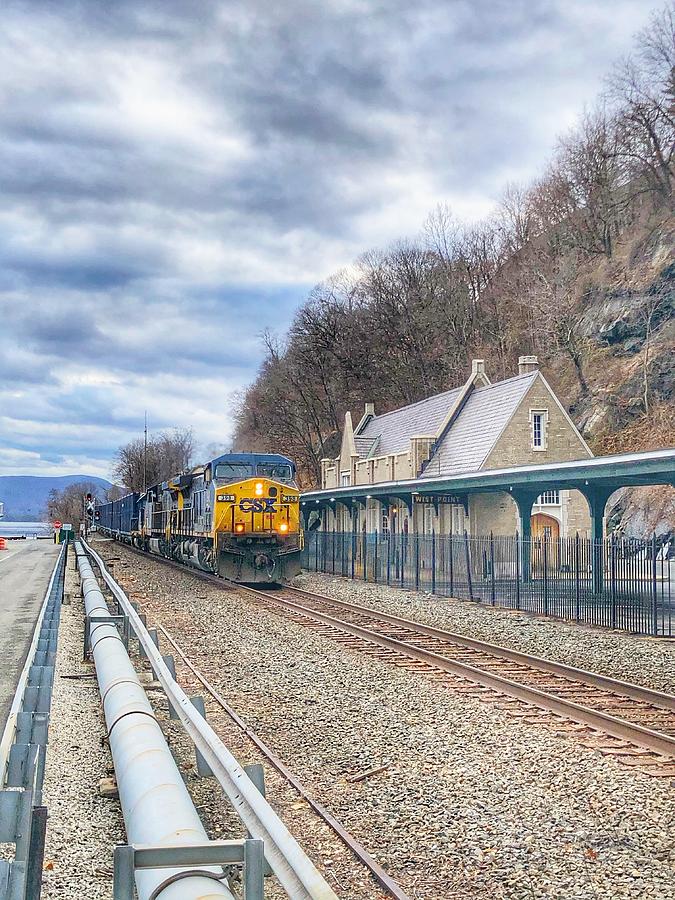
<point x="633" y="724"/>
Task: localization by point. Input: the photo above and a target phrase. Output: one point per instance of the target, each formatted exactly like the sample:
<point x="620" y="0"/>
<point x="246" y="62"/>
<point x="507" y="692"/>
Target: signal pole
<point x="145" y="453"/>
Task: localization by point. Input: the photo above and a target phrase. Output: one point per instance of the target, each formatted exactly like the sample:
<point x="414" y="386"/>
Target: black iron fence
<point x="617" y="583"/>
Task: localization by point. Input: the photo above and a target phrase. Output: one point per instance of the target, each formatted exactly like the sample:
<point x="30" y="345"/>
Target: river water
<point x="25" y="529"/>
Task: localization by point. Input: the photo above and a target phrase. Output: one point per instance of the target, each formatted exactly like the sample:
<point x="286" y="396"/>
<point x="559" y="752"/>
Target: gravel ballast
<point x="82" y="826"/>
<point x="473" y="804"/>
<point x="643" y="660"/>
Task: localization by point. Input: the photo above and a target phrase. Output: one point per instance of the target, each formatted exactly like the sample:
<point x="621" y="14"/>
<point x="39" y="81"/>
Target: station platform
<point x="25" y="570"/>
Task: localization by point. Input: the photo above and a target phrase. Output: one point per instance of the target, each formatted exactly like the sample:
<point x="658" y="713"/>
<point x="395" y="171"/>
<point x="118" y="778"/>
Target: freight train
<point x="237" y="516"/>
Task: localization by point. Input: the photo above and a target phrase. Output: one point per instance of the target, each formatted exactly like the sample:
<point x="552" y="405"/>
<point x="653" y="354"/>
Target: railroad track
<point x="379" y="874"/>
<point x="633" y="724"/>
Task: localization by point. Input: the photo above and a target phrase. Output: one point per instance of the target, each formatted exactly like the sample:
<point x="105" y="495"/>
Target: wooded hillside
<point x="577" y="267"/>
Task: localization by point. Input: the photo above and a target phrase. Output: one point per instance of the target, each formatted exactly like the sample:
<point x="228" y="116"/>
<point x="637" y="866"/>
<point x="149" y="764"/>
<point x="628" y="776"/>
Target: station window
<point x="385" y="523"/>
<point x="549" y="498"/>
<point x="458" y="523"/>
<point x="345" y="479"/>
<point x="538" y="418"/>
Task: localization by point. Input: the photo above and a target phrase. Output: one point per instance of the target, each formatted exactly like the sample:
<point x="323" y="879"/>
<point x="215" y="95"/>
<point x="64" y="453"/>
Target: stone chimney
<point x="527" y="364"/>
<point x="370" y="409"/>
<point x="478" y="367"/>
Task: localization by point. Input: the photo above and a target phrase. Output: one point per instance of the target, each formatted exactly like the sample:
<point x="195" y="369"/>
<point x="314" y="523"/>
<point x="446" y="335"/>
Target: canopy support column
<point x="524" y="500"/>
<point x="597" y="497"/>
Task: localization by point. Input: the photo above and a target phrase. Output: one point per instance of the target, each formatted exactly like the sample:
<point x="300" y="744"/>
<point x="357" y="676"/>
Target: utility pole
<point x="145" y="453"/>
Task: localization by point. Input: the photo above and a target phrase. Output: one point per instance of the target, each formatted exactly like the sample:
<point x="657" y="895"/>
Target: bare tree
<point x="642" y="91"/>
<point x="587" y="166"/>
<point x="114" y="493"/>
<point x="68" y="505"/>
<point x="551" y="297"/>
<point x="168" y="453"/>
<point x="514" y="217"/>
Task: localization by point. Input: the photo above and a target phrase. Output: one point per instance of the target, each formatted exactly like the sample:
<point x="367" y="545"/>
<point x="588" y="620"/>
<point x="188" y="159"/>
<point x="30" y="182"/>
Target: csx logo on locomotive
<point x="257" y="504"/>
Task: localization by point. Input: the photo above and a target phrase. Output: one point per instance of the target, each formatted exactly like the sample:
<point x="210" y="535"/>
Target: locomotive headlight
<point x="258" y="488"/>
<point x="239" y="527"/>
<point x="283" y="528"/>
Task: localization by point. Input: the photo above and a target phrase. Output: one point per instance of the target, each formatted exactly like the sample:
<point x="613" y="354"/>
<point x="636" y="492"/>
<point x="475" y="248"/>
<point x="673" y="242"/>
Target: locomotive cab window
<point x="275" y="472"/>
<point x="233" y="471"/>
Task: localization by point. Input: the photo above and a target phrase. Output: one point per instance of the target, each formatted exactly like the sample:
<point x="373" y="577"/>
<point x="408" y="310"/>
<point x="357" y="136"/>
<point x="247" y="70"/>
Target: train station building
<point x="476" y="427"/>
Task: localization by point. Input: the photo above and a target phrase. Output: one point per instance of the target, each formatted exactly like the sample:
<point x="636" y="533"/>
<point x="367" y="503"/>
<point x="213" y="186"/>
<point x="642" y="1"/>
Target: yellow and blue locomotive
<point x="237" y="516"/>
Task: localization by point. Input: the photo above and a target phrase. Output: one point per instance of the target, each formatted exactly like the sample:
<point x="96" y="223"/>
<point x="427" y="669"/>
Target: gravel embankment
<point x="472" y="805"/>
<point x="83" y="827"/>
<point x="642" y="660"/>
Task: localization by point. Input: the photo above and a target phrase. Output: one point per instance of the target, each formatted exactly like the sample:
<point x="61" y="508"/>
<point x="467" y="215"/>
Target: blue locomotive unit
<point x="237" y="516"/>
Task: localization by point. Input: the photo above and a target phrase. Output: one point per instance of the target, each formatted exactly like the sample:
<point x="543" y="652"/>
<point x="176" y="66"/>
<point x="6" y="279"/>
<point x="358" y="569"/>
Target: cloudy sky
<point x="175" y="176"/>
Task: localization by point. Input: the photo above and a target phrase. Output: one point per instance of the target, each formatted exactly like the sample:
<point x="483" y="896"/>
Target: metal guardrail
<point x="155" y="802"/>
<point x="132" y="859"/>
<point x="291" y="865"/>
<point x="23" y="818"/>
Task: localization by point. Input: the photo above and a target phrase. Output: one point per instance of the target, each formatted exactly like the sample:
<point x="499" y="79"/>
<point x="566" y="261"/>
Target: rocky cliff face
<point x="627" y="330"/>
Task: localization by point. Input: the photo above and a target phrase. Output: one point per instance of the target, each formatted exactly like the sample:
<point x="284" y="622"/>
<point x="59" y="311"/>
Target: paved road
<point x="25" y="569"/>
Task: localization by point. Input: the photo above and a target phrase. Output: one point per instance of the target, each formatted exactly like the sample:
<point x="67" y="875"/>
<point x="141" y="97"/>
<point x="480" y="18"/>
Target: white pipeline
<point x="156" y="805"/>
<point x="289" y="862"/>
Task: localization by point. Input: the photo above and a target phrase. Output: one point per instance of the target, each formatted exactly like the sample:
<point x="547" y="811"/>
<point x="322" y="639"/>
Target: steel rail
<point x="594" y="679"/>
<point x="155" y="802"/>
<point x="291" y="865"/>
<point x="611" y="725"/>
<point x="381" y="876"/>
<point x="644" y="737"/>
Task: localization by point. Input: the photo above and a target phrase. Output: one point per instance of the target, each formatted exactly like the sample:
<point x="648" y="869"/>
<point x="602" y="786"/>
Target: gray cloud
<point x="176" y="175"/>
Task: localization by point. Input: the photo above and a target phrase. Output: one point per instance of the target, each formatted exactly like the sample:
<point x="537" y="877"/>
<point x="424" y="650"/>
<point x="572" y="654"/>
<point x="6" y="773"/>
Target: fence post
<point x="467" y="554"/>
<point x="417" y="560"/>
<point x="353" y="542"/>
<point x="433" y="560"/>
<point x="388" y="556"/>
<point x="492" y="569"/>
<point x="517" y="548"/>
<point x="403" y="555"/>
<point x="655" y="611"/>
<point x="545" y="560"/>
<point x="364" y="555"/>
<point x="612" y="576"/>
<point x="577" y="576"/>
<point x="377" y="535"/>
<point x="451" y="547"/>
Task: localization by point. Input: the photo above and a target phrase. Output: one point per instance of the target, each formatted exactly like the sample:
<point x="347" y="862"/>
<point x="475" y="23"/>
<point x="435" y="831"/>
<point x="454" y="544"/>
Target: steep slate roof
<point x="395" y="428"/>
<point x="364" y="445"/>
<point x="477" y="427"/>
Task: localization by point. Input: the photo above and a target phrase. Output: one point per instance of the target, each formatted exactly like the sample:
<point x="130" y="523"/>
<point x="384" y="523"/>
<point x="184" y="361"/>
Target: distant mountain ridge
<point x="25" y="496"/>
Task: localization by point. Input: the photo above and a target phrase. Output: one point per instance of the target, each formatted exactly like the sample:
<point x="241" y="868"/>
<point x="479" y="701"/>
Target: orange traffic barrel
<point x="3" y="544"/>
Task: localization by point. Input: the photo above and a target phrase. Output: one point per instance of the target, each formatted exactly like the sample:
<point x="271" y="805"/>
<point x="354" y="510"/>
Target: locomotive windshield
<point x="275" y="472"/>
<point x="234" y="471"/>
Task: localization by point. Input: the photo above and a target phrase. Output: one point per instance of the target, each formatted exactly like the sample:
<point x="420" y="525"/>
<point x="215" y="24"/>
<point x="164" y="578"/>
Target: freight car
<point x="237" y="516"/>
